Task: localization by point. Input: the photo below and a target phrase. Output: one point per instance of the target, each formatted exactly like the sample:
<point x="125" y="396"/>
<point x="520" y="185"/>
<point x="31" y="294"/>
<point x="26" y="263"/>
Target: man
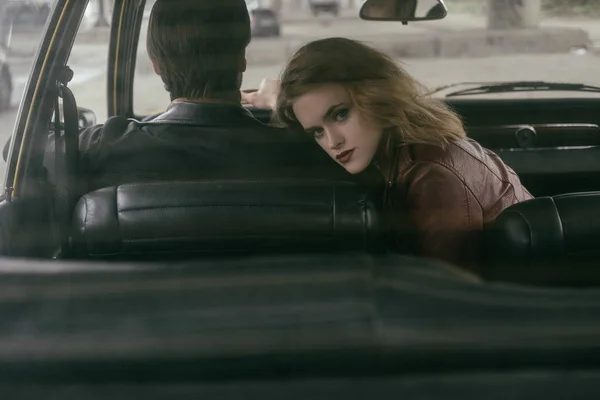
<point x="197" y="47"/>
<point x="390" y="9"/>
<point x="380" y="9"/>
<point x="403" y="9"/>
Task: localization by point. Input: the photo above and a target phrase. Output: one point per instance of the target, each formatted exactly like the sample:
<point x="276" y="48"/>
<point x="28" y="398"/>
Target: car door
<point x="27" y="228"/>
<point x="28" y="223"/>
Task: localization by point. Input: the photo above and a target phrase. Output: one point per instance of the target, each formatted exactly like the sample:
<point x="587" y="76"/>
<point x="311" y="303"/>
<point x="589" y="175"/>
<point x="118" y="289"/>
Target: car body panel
<point x="263" y="22"/>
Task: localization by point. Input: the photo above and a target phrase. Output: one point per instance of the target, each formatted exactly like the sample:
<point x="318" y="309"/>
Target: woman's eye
<point x="341" y="115"/>
<point x="317" y="133"/>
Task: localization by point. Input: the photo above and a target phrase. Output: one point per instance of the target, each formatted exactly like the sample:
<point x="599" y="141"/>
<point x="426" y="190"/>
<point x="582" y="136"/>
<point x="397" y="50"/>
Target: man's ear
<point x="155" y="67"/>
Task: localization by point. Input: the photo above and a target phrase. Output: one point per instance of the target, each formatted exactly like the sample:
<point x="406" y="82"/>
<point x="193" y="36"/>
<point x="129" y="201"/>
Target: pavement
<point x="459" y="35"/>
<point x="456" y="36"/>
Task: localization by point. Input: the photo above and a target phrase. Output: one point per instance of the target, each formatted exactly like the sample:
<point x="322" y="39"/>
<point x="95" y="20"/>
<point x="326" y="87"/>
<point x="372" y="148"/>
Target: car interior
<point x="552" y="144"/>
<point x="245" y="289"/>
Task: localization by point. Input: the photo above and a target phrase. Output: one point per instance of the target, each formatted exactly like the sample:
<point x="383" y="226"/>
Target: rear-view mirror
<point x="403" y="10"/>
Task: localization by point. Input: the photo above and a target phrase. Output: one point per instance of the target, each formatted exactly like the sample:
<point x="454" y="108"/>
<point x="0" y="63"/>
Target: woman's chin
<point x="354" y="168"/>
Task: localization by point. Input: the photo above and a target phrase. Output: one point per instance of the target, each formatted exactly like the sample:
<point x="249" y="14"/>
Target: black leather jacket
<point x="194" y="141"/>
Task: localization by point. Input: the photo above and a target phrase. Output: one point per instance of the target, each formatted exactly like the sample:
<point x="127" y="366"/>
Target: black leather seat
<point x="179" y="218"/>
<point x="547" y="240"/>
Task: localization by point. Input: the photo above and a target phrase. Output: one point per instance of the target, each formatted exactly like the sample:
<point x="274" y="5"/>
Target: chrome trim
<point x="538" y="126"/>
<point x="516" y="149"/>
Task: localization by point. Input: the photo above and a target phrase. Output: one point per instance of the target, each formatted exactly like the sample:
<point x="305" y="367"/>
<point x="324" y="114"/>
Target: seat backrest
<point x="550" y="240"/>
<point x="171" y="218"/>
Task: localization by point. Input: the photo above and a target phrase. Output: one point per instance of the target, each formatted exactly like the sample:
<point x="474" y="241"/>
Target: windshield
<point x="553" y="41"/>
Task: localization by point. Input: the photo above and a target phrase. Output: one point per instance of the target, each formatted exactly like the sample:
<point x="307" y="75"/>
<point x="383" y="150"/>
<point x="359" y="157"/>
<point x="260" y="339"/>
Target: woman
<point x="366" y="112"/>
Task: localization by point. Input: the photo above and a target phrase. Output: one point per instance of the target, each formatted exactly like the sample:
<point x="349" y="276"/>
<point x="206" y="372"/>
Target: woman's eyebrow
<point x="325" y="116"/>
<point x="330" y="111"/>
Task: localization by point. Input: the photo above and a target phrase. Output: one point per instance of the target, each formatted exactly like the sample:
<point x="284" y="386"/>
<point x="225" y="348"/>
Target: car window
<point x="555" y="42"/>
<point x="149" y="94"/>
<point x="88" y="60"/>
<point x="21" y="27"/>
<point x="22" y="23"/>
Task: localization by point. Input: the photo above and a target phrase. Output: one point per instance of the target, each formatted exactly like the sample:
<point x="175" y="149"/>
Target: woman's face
<point x="348" y="137"/>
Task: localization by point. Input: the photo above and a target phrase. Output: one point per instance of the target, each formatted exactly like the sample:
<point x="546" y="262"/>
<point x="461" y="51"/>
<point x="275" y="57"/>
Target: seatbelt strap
<point x="66" y="155"/>
<point x="71" y="140"/>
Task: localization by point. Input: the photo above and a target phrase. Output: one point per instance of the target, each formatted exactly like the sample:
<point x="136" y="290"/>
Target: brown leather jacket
<point x="446" y="196"/>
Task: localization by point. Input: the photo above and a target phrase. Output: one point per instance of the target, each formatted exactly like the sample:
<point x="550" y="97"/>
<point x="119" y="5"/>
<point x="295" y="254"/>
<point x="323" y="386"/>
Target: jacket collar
<point x="205" y="114"/>
<point x="392" y="158"/>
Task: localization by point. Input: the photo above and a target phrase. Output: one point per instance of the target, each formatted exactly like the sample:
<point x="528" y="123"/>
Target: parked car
<point x="30" y="12"/>
<point x="6" y="79"/>
<point x="327" y="6"/>
<point x="263" y="21"/>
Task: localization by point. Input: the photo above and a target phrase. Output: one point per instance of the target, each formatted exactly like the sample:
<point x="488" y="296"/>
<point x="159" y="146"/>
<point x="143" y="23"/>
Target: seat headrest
<point x="526" y="232"/>
<point x="226" y="217"/>
<point x="580" y="218"/>
<point x="553" y="237"/>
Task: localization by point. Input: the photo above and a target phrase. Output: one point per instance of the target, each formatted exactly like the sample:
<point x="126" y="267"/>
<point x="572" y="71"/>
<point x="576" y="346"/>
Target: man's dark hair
<point x="199" y="45"/>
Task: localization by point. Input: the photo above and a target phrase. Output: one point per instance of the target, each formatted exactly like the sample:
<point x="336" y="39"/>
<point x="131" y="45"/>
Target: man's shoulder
<point x="101" y="134"/>
<point x="122" y="133"/>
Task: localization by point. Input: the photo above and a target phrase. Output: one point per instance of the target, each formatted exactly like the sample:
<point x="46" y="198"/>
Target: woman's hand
<point x="265" y="97"/>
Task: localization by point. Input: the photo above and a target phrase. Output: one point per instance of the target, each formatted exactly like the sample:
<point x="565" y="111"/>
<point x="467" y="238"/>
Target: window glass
<point x="495" y="40"/>
<point x="89" y="58"/>
<point x="21" y="27"/>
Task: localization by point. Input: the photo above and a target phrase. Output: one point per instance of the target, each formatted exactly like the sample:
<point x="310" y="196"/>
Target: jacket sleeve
<point x="92" y="142"/>
<point x="446" y="215"/>
<point x="89" y="141"/>
<point x="88" y="138"/>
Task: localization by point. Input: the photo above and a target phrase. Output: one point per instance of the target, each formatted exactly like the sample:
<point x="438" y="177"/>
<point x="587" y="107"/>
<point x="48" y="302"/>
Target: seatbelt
<point x="66" y="153"/>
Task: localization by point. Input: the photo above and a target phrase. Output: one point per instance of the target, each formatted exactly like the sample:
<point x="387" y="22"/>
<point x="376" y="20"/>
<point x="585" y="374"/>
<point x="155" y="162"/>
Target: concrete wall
<point x="514" y="14"/>
<point x="303" y="4"/>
